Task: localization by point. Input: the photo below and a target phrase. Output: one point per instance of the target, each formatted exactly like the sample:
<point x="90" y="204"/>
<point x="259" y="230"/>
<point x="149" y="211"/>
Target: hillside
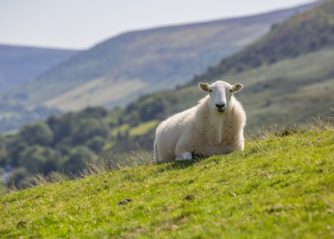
<point x="120" y="69"/>
<point x="293" y="90"/>
<point x="290" y="90"/>
<point x="20" y="64"/>
<point x="280" y="187"/>
<point x="304" y="33"/>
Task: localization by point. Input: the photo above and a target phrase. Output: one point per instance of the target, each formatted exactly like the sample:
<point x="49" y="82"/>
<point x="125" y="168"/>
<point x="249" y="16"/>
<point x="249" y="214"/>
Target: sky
<point x="79" y="24"/>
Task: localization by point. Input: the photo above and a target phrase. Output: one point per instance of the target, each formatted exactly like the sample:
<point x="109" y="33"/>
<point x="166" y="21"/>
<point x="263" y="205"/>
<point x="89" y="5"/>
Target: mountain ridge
<point x="303" y="33"/>
<point x="20" y="64"/>
<point x="155" y="57"/>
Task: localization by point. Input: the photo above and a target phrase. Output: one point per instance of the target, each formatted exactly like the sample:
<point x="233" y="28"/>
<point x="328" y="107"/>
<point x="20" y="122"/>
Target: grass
<point x="143" y="128"/>
<point x="121" y="129"/>
<point x="279" y="187"/>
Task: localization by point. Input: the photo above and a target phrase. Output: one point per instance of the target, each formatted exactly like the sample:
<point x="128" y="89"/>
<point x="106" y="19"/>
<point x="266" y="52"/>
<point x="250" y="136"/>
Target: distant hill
<point x="305" y="33"/>
<point x="19" y="64"/>
<point x="293" y="88"/>
<point x="120" y="69"/>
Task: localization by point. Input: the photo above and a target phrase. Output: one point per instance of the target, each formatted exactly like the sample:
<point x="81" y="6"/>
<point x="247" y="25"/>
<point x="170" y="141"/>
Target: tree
<point x="93" y="112"/>
<point x="79" y="158"/>
<point x="39" y="159"/>
<point x="3" y="157"/>
<point x="89" y="128"/>
<point x="15" y="150"/>
<point x="38" y="133"/>
<point x="17" y="176"/>
<point x="62" y="126"/>
<point x="96" y="144"/>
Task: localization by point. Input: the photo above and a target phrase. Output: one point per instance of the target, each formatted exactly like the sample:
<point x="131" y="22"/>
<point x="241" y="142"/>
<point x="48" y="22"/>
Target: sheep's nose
<point x="220" y="106"/>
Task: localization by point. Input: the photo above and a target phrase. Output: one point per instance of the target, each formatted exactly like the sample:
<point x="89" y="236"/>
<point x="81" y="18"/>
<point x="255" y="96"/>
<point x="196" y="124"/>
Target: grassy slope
<point x="307" y="32"/>
<point x="287" y="92"/>
<point x="279" y="187"/>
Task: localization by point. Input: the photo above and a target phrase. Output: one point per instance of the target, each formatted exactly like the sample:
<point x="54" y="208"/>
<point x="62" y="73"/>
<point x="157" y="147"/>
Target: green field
<point x="279" y="187"/>
<point x="143" y="128"/>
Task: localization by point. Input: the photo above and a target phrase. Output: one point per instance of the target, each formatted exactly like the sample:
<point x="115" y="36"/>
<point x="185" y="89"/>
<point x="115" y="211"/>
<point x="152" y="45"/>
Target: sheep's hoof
<point x="184" y="157"/>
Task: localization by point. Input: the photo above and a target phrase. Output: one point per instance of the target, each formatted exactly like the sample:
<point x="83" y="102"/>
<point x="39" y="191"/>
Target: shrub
<point x="79" y="159"/>
<point x="38" y="133"/>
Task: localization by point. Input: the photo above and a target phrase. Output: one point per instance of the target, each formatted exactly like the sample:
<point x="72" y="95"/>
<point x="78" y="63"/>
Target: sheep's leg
<point x="182" y="150"/>
<point x="184" y="156"/>
<point x="156" y="154"/>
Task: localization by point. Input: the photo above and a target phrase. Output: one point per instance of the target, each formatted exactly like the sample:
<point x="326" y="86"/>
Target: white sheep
<point x="214" y="126"/>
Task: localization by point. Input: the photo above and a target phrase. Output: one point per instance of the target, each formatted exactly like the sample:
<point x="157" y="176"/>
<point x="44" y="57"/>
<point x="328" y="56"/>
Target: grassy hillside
<point x="279" y="187"/>
<point x="306" y="32"/>
<point x="291" y="91"/>
<point x="120" y="69"/>
<point x="19" y="64"/>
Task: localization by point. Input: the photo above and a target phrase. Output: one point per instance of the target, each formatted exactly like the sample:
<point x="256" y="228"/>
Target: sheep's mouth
<point x="221" y="110"/>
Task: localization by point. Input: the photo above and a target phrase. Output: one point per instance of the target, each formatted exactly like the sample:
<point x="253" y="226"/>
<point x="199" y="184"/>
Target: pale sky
<point x="82" y="23"/>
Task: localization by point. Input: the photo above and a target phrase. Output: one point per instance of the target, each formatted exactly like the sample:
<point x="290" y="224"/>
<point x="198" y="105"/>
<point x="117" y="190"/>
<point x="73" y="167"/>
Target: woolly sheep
<point x="214" y="126"/>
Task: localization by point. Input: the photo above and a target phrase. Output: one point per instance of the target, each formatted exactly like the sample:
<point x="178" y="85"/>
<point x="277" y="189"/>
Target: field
<point x="281" y="186"/>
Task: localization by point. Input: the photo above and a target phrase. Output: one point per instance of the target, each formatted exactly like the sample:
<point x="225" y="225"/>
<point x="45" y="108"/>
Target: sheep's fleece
<point x="214" y="126"/>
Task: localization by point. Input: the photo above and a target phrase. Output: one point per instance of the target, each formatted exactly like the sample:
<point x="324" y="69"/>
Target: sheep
<point x="214" y="126"/>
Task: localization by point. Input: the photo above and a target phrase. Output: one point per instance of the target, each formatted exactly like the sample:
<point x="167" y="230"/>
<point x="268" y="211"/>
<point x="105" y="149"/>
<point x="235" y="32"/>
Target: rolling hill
<point x="307" y="32"/>
<point x="279" y="187"/>
<point x="293" y="88"/>
<point x="19" y="64"/>
<point x="120" y="69"/>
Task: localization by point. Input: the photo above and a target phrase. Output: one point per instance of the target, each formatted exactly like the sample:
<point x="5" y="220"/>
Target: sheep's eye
<point x="230" y="90"/>
<point x="210" y="90"/>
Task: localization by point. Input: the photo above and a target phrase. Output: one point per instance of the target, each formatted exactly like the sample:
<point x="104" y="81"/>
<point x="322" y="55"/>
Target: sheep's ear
<point x="204" y="87"/>
<point x="236" y="87"/>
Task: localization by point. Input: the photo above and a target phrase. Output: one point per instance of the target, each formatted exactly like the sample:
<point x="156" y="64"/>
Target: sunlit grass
<point x="120" y="129"/>
<point x="143" y="128"/>
<point x="279" y="187"/>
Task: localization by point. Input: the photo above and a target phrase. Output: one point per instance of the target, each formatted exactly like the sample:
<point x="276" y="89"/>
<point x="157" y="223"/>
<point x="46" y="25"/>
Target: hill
<point x="280" y="187"/>
<point x="291" y="91"/>
<point x="120" y="69"/>
<point x="19" y="64"/>
<point x="288" y="92"/>
<point x="304" y="33"/>
<point x="293" y="88"/>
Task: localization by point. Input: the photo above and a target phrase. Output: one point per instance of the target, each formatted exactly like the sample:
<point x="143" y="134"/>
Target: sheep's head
<point x="220" y="94"/>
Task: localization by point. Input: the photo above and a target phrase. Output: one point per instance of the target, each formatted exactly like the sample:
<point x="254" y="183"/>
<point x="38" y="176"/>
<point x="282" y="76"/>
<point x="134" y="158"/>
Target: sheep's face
<point x="220" y="94"/>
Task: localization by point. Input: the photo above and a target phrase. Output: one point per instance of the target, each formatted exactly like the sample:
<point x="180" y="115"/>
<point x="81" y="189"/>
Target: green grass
<point x="279" y="187"/>
<point x="121" y="129"/>
<point x="143" y="128"/>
